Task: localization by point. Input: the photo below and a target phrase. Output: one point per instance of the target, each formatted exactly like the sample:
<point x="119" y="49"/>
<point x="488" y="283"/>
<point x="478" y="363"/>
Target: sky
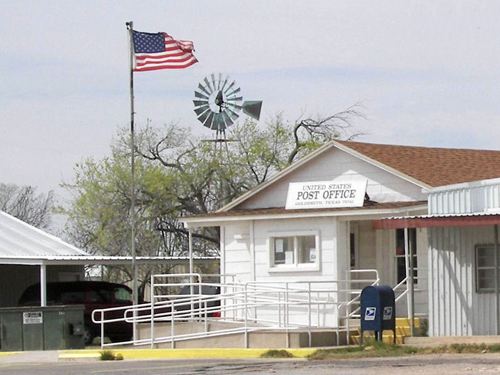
<point x="427" y="73"/>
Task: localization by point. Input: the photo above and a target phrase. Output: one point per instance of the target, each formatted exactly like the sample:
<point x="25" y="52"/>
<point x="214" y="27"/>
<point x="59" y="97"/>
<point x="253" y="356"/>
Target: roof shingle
<point x="433" y="166"/>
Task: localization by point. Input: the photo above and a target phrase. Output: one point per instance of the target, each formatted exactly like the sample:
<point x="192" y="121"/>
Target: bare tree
<point x="309" y="133"/>
<point x="24" y="203"/>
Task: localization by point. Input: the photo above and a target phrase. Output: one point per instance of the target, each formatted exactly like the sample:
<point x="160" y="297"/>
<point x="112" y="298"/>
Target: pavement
<point x="29" y="356"/>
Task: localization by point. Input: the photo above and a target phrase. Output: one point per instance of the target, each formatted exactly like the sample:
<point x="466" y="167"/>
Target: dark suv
<point x="92" y="295"/>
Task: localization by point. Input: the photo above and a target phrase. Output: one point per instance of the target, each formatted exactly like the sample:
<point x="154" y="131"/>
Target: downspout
<point x="412" y="289"/>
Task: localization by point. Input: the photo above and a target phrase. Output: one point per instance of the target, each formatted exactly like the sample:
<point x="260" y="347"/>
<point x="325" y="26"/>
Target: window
<point x="485" y="268"/>
<point x="294" y="251"/>
<point x="283" y="250"/>
<point x="400" y="253"/>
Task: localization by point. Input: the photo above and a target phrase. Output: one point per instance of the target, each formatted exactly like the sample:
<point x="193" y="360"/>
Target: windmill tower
<point x="218" y="103"/>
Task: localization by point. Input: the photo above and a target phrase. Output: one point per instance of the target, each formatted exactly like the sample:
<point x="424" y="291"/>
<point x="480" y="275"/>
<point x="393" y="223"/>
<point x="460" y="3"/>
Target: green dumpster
<point x="41" y="328"/>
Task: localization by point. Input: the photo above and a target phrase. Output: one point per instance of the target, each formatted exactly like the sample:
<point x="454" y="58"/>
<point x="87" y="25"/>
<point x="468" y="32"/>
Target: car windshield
<point x="122" y="294"/>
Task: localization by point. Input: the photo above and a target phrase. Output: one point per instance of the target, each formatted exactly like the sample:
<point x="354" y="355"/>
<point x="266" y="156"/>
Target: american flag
<point x="154" y="51"/>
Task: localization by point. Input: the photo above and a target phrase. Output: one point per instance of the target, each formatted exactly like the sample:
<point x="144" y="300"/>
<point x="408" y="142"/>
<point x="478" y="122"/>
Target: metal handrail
<point x="238" y="303"/>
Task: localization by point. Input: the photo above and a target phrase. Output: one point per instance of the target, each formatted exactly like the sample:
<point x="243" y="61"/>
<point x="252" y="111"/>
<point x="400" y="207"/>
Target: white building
<point x="263" y="241"/>
<point x="463" y="257"/>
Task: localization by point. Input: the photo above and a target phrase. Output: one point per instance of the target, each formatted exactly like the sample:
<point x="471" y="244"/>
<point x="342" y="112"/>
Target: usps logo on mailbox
<point x="387" y="315"/>
<point x="370" y="313"/>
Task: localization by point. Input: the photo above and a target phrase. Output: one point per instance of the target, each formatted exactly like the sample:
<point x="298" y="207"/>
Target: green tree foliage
<point x="178" y="174"/>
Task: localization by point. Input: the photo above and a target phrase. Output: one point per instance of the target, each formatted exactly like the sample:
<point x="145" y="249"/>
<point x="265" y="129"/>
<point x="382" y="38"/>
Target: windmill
<point x="218" y="103"/>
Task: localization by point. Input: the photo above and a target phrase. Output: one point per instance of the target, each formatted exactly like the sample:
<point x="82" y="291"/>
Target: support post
<point x="43" y="285"/>
<point x="409" y="280"/>
<point x="190" y="246"/>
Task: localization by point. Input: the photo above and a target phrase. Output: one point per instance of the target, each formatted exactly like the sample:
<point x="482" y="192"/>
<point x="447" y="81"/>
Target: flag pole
<point x="135" y="296"/>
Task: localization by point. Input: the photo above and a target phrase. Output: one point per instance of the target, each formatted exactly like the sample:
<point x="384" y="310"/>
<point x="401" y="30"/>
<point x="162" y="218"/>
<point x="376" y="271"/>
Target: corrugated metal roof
<point x="21" y="243"/>
<point x="98" y="260"/>
<point x="18" y="239"/>
<point x="439" y="220"/>
<point x="435" y="216"/>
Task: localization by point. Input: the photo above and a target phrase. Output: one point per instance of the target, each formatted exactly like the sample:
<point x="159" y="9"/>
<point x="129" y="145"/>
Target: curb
<point x="200" y="353"/>
<point x="5" y="354"/>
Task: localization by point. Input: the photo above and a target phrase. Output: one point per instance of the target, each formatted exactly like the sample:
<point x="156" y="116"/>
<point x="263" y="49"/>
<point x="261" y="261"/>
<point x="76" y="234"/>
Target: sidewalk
<point x="142" y="354"/>
<point x="449" y="340"/>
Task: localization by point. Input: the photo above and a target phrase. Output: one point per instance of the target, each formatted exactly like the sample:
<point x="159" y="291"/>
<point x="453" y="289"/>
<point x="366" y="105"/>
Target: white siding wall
<point x="336" y="164"/>
<point x="422" y="287"/>
<point x="238" y="258"/>
<point x="237" y="255"/>
<point x="455" y="309"/>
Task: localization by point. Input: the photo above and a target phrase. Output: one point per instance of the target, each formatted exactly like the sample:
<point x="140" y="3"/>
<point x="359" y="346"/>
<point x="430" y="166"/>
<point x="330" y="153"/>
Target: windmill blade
<point x="210" y="90"/>
<point x="234" y="92"/>
<point x="203" y="117"/>
<point x="227" y="119"/>
<point x="219" y="81"/>
<point x="235" y="99"/>
<point x="200" y="110"/>
<point x="235" y="106"/>
<point x="202" y="88"/>
<point x="213" y="81"/>
<point x="209" y="120"/>
<point x="198" y="103"/>
<point x="224" y="84"/>
<point x="229" y="87"/>
<point x="232" y="114"/>
<point x="252" y="108"/>
<point x="200" y="95"/>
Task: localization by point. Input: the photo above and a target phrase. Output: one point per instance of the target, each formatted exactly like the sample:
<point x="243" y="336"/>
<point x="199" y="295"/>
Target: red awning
<point x="428" y="221"/>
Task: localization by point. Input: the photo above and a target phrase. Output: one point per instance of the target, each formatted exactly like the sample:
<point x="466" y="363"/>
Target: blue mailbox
<point x="378" y="311"/>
